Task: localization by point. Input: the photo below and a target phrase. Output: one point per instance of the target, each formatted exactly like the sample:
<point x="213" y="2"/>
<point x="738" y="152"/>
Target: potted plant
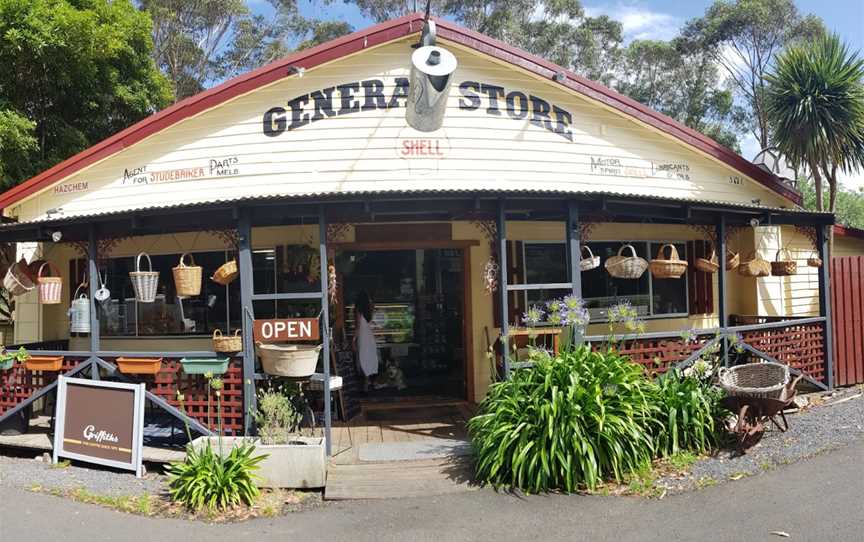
<point x="292" y="460"/>
<point x="8" y="359"/>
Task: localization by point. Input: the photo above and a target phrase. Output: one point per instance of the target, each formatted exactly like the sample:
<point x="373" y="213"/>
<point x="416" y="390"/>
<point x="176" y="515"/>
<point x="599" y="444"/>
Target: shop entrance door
<point x="418" y="319"/>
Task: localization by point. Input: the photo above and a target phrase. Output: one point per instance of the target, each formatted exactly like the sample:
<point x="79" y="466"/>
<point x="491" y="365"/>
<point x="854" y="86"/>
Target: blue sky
<point x="649" y="19"/>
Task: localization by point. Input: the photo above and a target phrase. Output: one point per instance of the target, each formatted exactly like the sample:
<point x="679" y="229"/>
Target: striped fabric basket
<point x="50" y="286"/>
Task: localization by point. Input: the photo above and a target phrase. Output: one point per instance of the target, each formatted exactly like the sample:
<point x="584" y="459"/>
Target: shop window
<point x="545" y="263"/>
<point x="216" y="307"/>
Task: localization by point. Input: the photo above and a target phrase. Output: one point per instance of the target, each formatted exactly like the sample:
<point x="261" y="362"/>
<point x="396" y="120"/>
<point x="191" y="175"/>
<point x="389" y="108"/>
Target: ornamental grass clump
<point x="688" y="412"/>
<point x="567" y="423"/>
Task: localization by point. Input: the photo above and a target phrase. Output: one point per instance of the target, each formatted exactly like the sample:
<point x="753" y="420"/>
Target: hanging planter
<point x="589" y="262"/>
<point x="298" y="361"/>
<point x="139" y="366"/>
<point x="709" y="264"/>
<point x="754" y="266"/>
<point x="671" y="268"/>
<point x="17" y="281"/>
<point x="8" y="359"/>
<point x="231" y="343"/>
<point x="50" y="287"/>
<point x="784" y="268"/>
<point x="226" y="274"/>
<point x="44" y="363"/>
<point x="626" y="267"/>
<point x="200" y="366"/>
<point x="79" y="313"/>
<point x="814" y="260"/>
<point x="187" y="278"/>
<point x="144" y="283"/>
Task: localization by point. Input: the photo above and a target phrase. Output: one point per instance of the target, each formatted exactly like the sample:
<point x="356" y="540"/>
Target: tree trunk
<point x="817" y="179"/>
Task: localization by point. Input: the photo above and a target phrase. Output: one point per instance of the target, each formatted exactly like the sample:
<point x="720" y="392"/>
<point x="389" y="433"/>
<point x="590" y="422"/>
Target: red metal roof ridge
<point x="848" y="231"/>
<point x="377" y="35"/>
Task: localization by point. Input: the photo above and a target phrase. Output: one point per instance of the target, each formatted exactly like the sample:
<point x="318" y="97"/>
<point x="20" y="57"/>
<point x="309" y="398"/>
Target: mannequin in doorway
<point x="364" y="338"/>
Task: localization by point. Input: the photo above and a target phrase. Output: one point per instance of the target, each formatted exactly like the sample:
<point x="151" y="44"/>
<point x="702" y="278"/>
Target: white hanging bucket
<point x="79" y="313"/>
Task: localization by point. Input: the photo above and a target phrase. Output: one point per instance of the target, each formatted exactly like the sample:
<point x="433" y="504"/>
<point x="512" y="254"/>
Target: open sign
<point x="286" y="330"/>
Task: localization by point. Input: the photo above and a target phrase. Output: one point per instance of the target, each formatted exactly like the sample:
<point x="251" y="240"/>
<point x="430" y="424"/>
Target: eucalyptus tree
<point x="814" y="101"/>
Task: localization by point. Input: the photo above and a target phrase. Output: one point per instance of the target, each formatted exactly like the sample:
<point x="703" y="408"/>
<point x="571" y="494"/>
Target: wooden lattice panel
<point x="658" y="355"/>
<point x="172" y="379"/>
<point x="801" y="347"/>
<point x="18" y="383"/>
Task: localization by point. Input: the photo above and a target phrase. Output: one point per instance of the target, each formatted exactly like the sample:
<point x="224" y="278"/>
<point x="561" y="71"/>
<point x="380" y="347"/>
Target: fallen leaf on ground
<point x="784" y="534"/>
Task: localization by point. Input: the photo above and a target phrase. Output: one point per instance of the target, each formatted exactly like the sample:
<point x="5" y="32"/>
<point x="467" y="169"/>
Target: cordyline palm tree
<point x="815" y="103"/>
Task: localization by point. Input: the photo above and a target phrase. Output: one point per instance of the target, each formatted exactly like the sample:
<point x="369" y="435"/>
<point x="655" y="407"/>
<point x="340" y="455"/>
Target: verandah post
<point x="574" y="252"/>
<point x="244" y="231"/>
<point x="325" y="325"/>
<point x="825" y="304"/>
<point x="501" y="230"/>
<point x="720" y="243"/>
<point x="94" y="283"/>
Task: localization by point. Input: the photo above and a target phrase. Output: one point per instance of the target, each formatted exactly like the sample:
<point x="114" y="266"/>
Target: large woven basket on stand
<point x="144" y="283"/>
<point x="626" y="267"/>
<point x="226" y="274"/>
<point x="187" y="278"/>
<point x="298" y="361"/>
<point x="785" y="267"/>
<point x="50" y="287"/>
<point x="709" y="264"/>
<point x="589" y="262"/>
<point x="766" y="380"/>
<point x="17" y="281"/>
<point x="671" y="268"/>
<point x="227" y="343"/>
<point x="754" y="266"/>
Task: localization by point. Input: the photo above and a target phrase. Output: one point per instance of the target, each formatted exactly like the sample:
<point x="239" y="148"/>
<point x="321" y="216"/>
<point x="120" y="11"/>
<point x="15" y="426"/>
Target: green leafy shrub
<point x="568" y="422"/>
<point x="206" y="478"/>
<point x="277" y="417"/>
<point x="688" y="412"/>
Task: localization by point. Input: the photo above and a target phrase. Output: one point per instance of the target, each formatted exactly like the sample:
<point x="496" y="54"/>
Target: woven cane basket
<point x="230" y="343"/>
<point x="766" y="380"/>
<point x="733" y="259"/>
<point x="754" y="266"/>
<point x="626" y="267"/>
<point x="226" y="273"/>
<point x="589" y="262"/>
<point x="144" y="283"/>
<point x="16" y="281"/>
<point x="785" y="267"/>
<point x="814" y="261"/>
<point x="50" y="287"/>
<point x="671" y="268"/>
<point x="187" y="278"/>
<point x="709" y="264"/>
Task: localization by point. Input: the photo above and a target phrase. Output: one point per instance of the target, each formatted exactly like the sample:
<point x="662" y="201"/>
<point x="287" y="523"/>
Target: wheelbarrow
<point x="758" y="393"/>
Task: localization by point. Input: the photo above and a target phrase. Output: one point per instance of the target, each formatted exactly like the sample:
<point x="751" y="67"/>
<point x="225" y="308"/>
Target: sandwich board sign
<point x="100" y="422"/>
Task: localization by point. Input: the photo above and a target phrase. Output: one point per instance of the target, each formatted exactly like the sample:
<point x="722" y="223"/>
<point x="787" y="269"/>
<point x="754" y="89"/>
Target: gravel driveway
<point x="836" y="422"/>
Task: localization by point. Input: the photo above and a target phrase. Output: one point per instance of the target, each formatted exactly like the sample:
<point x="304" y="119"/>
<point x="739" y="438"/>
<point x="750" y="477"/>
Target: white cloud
<point x="639" y="22"/>
<point x="853" y="181"/>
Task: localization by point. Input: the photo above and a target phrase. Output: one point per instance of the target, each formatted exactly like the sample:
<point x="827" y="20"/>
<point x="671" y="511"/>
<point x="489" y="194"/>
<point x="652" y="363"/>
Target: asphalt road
<point x="817" y="499"/>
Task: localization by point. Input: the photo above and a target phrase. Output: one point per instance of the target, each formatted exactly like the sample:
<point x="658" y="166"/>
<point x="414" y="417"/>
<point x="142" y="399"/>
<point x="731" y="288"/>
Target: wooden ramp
<point x="399" y="479"/>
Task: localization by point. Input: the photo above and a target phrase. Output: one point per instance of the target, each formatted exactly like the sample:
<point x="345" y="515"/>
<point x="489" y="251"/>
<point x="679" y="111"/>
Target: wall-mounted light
<point x="754" y="222"/>
<point x="559" y="77"/>
<point x="56" y="236"/>
<point x="296" y="70"/>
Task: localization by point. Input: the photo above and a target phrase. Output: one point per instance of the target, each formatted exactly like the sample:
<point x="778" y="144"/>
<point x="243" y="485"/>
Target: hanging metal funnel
<point x="431" y="71"/>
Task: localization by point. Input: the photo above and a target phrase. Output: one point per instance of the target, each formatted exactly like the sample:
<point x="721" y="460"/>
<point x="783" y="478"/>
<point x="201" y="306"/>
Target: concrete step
<point x="399" y="479"/>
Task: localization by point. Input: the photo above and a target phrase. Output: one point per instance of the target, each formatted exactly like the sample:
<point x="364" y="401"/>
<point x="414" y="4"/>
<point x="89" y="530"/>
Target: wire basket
<point x="672" y="268"/>
<point x="187" y="278"/>
<point x="50" y="286"/>
<point x="626" y="267"/>
<point x="589" y="262"/>
<point x="144" y="283"/>
<point x="765" y="380"/>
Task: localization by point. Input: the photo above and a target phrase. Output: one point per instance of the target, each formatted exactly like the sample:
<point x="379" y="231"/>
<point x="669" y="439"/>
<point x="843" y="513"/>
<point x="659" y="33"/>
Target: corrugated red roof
<point x="377" y="35"/>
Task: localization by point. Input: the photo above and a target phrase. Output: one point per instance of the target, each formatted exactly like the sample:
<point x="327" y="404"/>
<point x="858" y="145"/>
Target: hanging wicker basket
<point x="226" y="274"/>
<point x="17" y="281"/>
<point x="763" y="380"/>
<point x="733" y="259"/>
<point x="754" y="266"/>
<point x="709" y="264"/>
<point x="589" y="262"/>
<point x="50" y="286"/>
<point x="230" y="343"/>
<point x="144" y="283"/>
<point x="671" y="268"/>
<point x="298" y="361"/>
<point x="814" y="260"/>
<point x="187" y="278"/>
<point x="626" y="267"/>
<point x="784" y="267"/>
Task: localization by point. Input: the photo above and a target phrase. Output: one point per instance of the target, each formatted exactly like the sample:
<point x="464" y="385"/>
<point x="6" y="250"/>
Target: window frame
<point x="524" y="288"/>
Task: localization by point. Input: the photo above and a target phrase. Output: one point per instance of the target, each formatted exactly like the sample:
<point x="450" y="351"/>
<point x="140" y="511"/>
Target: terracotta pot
<point x="139" y="366"/>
